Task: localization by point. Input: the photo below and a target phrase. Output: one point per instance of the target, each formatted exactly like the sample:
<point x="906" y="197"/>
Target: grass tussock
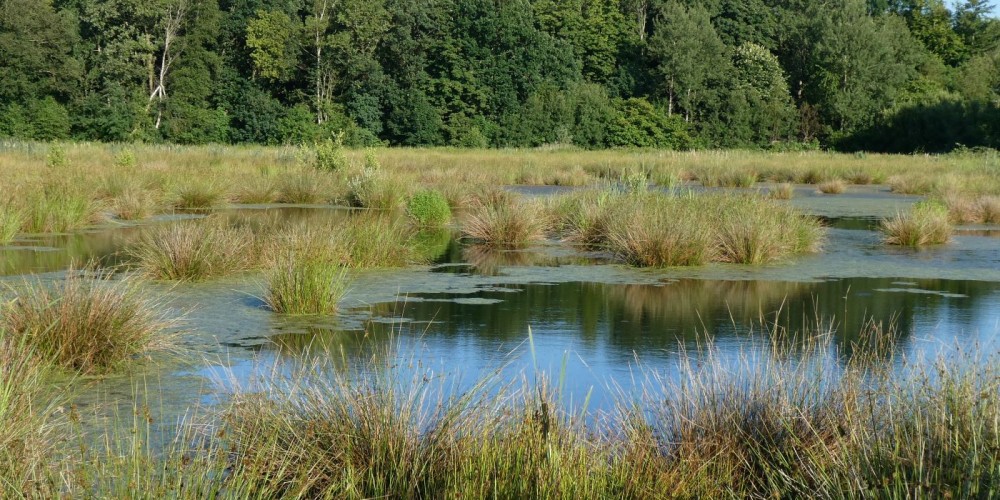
<point x="429" y="209"/>
<point x="88" y="324"/>
<point x="305" y="283"/>
<point x="783" y="191"/>
<point x="59" y="209"/>
<point x="11" y="222"/>
<point x="657" y="230"/>
<point x="193" y="250"/>
<point x="504" y="220"/>
<point x="927" y="223"/>
<point x="836" y="186"/>
<point x="199" y="194"/>
<point x="27" y="437"/>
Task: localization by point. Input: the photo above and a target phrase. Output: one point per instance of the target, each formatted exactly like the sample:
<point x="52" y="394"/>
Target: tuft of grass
<point x="990" y="208"/>
<point x="927" y="223"/>
<point x="88" y="324"/>
<point x="783" y="191"/>
<point x="371" y="188"/>
<point x="193" y="250"/>
<point x="304" y="284"/>
<point x="134" y="203"/>
<point x="27" y="437"/>
<point x="659" y="231"/>
<point x="429" y="209"/>
<point x="58" y="209"/>
<point x="757" y="231"/>
<point x="501" y="219"/>
<point x="199" y="194"/>
<point x="258" y="189"/>
<point x="583" y="217"/>
<point x="375" y="240"/>
<point x="662" y="231"/>
<point x="727" y="178"/>
<point x="11" y="222"/>
<point x="836" y="186"/>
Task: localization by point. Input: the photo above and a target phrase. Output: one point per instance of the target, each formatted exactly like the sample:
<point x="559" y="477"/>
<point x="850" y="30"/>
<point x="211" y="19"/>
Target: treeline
<point x="894" y="75"/>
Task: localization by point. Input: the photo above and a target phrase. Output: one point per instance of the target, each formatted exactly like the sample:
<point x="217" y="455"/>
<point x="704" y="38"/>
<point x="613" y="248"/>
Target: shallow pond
<point x="597" y="323"/>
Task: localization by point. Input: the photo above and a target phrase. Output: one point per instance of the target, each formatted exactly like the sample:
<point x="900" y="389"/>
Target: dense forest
<point x="887" y="75"/>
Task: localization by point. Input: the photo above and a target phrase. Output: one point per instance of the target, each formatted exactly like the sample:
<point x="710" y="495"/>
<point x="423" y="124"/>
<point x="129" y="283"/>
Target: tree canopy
<point x="865" y="74"/>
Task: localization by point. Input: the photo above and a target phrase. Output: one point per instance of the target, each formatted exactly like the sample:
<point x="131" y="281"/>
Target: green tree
<point x="272" y="39"/>
<point x="690" y="58"/>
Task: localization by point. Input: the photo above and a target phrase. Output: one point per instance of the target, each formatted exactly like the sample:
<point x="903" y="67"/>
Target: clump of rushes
<point x="721" y="177"/>
<point x="26" y="437"/>
<point x="751" y="230"/>
<point x="134" y="203"/>
<point x="583" y="217"/>
<point x="193" y="250"/>
<point x="11" y="221"/>
<point x="374" y="240"/>
<point x="88" y="322"/>
<point x="373" y="189"/>
<point x="196" y="194"/>
<point x="429" y="209"/>
<point x="659" y="231"/>
<point x="501" y="219"/>
<point x="784" y="191"/>
<point x="257" y="189"/>
<point x="57" y="209"/>
<point x="301" y="283"/>
<point x="926" y="224"/>
<point x="990" y="208"/>
<point x="836" y="186"/>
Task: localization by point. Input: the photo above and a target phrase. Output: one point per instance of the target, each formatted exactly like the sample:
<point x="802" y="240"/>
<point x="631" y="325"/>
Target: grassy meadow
<point x="826" y="422"/>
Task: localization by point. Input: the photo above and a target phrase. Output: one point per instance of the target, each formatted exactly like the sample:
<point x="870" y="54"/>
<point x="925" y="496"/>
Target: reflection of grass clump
<point x="193" y="250"/>
<point x="84" y="324"/>
<point x="429" y="209"/>
<point x="926" y="224"/>
<point x="501" y="219"/>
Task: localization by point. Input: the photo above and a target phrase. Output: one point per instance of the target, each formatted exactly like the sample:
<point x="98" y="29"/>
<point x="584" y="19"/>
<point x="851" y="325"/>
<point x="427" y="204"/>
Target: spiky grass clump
<point x="836" y="186"/>
<point x="58" y="209"/>
<point x="503" y="220"/>
<point x="372" y="188"/>
<point x="757" y="231"/>
<point x="727" y="178"/>
<point x="304" y="284"/>
<point x="372" y="241"/>
<point x="134" y="203"/>
<point x="429" y="209"/>
<point x="11" y="221"/>
<point x="193" y="250"/>
<point x="199" y="194"/>
<point x="783" y="191"/>
<point x="583" y="217"/>
<point x="927" y="223"/>
<point x="658" y="231"/>
<point x="88" y="324"/>
<point x="26" y="432"/>
<point x="662" y="231"/>
<point x="258" y="189"/>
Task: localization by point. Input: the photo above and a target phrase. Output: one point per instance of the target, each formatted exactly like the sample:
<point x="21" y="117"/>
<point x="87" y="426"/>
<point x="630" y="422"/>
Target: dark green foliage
<point x="489" y="73"/>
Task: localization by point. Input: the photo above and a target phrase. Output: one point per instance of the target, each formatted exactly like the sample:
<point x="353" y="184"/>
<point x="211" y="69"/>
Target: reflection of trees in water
<point x="641" y="318"/>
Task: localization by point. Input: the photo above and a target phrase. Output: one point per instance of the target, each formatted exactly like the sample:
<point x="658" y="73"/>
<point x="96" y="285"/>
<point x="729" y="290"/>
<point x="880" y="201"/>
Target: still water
<point x="596" y="323"/>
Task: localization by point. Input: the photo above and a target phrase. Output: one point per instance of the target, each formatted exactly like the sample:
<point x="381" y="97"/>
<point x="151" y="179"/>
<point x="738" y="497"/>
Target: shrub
<point x="330" y="155"/>
<point x="86" y="324"/>
<point x="927" y="224"/>
<point x="56" y="157"/>
<point x="429" y="209"/>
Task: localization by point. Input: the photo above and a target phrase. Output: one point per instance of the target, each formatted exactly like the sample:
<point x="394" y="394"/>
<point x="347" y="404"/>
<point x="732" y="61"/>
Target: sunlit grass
<point x="926" y="224"/>
<point x="88" y="324"/>
<point x="502" y="219"/>
<point x="193" y="250"/>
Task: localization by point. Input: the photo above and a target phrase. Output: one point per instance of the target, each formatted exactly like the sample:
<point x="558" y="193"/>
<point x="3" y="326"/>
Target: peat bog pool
<point x="599" y="326"/>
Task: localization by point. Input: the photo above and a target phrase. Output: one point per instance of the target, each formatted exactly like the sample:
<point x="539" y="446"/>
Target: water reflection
<point x="607" y="325"/>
